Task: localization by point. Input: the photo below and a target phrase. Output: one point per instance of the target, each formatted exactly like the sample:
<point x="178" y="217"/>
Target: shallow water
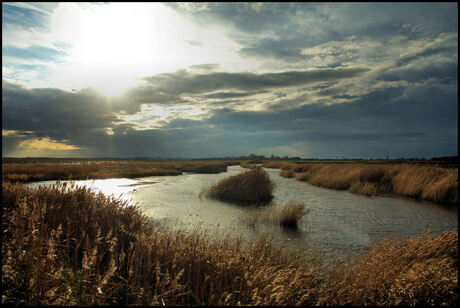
<point x="338" y="223"/>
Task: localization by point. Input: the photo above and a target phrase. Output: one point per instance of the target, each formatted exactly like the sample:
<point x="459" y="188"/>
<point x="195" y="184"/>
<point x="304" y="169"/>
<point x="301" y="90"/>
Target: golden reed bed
<point x="29" y="172"/>
<point x="76" y="247"/>
<point x="436" y="184"/>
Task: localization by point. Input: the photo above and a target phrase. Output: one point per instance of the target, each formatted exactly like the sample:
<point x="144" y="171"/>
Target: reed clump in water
<point x="65" y="246"/>
<point x="291" y="213"/>
<point x="287" y="173"/>
<point x="250" y="187"/>
<point x="287" y="216"/>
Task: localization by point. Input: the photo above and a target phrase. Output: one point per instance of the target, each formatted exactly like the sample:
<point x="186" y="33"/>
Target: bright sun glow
<point x="113" y="44"/>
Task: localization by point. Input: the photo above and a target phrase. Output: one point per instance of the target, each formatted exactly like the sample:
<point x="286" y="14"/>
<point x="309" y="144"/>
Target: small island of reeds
<point x="250" y="187"/>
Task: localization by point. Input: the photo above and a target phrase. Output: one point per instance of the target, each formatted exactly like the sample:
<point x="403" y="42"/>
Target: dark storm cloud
<point x="283" y="29"/>
<point x="226" y="95"/>
<point x="286" y="49"/>
<point x="250" y="17"/>
<point x="53" y="109"/>
<point x="206" y="67"/>
<point x="420" y="120"/>
<point x="183" y="82"/>
<point x="169" y="88"/>
<point x="425" y="53"/>
<point x="422" y="117"/>
<point x="446" y="71"/>
<point x="11" y="142"/>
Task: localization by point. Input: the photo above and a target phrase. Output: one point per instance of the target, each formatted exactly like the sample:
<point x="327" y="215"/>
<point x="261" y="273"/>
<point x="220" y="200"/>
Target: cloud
<point x="205" y="67"/>
<point x="26" y="14"/>
<point x="280" y="31"/>
<point x="184" y="82"/>
<point x="227" y="95"/>
<point x="53" y="109"/>
<point x="325" y="80"/>
<point x="179" y="87"/>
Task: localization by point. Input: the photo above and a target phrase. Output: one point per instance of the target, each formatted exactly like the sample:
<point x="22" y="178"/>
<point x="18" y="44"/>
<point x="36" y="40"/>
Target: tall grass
<point x="287" y="173"/>
<point x="417" y="271"/>
<point x="65" y="246"/>
<point x="436" y="184"/>
<point x="248" y="165"/>
<point x="286" y="216"/>
<point x="291" y="213"/>
<point x="203" y="167"/>
<point x="253" y="186"/>
<point x="105" y="169"/>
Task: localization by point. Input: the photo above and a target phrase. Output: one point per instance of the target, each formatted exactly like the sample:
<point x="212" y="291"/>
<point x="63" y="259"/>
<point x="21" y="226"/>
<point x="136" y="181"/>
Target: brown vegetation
<point x="287" y="173"/>
<point x="30" y="172"/>
<point x="247" y="165"/>
<point x="436" y="184"/>
<point x="253" y="186"/>
<point x="203" y="167"/>
<point x="417" y="271"/>
<point x="291" y="213"/>
<point x="75" y="247"/>
<point x="287" y="216"/>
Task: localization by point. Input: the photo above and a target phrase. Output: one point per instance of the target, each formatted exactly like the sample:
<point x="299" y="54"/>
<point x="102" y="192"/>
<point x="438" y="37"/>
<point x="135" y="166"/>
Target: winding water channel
<point x="338" y="223"/>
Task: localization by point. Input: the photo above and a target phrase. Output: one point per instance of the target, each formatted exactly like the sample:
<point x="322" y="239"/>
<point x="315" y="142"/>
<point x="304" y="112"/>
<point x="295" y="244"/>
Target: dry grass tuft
<point x="291" y="213"/>
<point x="250" y="187"/>
<point x="286" y="216"/>
<point x="287" y="173"/>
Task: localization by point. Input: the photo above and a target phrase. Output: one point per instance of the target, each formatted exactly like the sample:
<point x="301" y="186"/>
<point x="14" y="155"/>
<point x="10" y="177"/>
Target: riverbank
<point x="30" y="172"/>
<point x="75" y="247"/>
<point x="435" y="184"/>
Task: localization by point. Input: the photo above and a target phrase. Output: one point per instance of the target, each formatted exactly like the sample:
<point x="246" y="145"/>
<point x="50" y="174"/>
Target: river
<point x="337" y="224"/>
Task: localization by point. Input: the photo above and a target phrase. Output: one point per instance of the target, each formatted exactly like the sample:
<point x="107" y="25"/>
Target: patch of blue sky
<point x="25" y="15"/>
<point x="33" y="53"/>
<point x="24" y="72"/>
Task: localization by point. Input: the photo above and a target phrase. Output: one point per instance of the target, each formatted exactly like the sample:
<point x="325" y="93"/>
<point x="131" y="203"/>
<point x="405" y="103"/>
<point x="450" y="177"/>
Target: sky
<point x="191" y="80"/>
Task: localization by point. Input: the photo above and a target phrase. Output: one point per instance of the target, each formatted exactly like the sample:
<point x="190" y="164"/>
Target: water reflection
<point x="338" y="223"/>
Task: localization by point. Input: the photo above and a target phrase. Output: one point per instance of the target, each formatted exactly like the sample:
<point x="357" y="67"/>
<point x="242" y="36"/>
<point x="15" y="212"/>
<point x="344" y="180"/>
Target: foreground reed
<point x="436" y="184"/>
<point x="250" y="187"/>
<point x="64" y="246"/>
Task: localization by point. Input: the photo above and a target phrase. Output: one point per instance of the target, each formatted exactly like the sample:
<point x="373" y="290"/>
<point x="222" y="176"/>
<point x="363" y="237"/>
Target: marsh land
<point x="157" y="241"/>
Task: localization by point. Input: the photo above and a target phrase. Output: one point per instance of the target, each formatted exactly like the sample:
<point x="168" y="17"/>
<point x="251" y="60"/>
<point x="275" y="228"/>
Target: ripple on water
<point x="338" y="222"/>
